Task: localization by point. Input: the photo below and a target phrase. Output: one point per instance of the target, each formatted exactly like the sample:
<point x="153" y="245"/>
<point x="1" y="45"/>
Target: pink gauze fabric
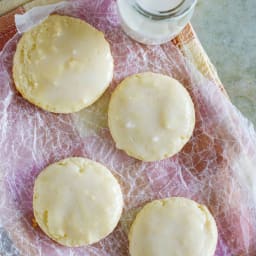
<point x="215" y="168"/>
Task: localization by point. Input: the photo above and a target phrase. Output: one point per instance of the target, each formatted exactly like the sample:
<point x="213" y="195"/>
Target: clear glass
<point x="154" y="21"/>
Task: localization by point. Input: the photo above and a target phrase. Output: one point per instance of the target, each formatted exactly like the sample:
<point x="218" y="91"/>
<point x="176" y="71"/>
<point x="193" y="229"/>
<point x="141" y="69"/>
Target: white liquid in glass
<point x="148" y="30"/>
<point x="158" y="5"/>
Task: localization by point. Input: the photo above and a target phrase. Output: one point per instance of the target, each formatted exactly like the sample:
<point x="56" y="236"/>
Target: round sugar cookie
<point x="77" y="201"/>
<point x="173" y="226"/>
<point x="62" y="65"/>
<point x="151" y="116"/>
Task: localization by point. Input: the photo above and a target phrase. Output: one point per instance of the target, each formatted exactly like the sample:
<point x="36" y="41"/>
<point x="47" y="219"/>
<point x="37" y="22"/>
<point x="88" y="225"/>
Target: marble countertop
<point x="227" y="31"/>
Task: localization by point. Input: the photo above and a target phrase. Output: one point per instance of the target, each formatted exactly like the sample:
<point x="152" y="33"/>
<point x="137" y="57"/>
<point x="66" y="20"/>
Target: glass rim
<point x="184" y="7"/>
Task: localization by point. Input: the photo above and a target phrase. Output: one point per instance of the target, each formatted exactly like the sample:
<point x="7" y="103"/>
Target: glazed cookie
<point x="77" y="201"/>
<point x="62" y="65"/>
<point x="151" y="116"/>
<point x="173" y="226"/>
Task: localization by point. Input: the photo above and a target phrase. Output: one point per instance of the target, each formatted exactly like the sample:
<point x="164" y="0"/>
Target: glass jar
<point x="154" y="21"/>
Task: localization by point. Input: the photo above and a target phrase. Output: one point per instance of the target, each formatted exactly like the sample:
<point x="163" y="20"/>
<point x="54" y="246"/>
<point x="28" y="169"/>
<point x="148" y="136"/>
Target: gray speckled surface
<point x="6" y="246"/>
<point x="227" y="31"/>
